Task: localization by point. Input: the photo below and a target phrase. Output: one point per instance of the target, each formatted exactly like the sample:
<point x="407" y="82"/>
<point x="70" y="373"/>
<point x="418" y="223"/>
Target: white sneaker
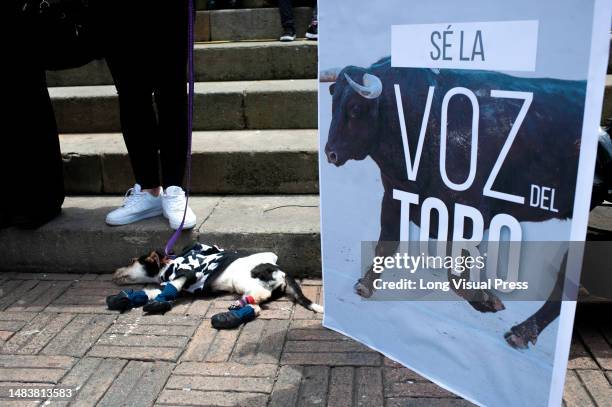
<point x="173" y="204"/>
<point x="137" y="205"/>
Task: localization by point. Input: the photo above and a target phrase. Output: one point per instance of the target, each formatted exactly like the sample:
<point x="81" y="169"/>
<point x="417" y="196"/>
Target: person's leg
<point x="285" y="7"/>
<point x="129" y="60"/>
<point x="137" y="116"/>
<point x="312" y="33"/>
<point x="31" y="173"/>
<point x="170" y="86"/>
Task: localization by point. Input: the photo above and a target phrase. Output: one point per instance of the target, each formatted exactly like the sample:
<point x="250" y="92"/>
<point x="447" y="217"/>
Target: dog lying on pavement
<point x="204" y="270"/>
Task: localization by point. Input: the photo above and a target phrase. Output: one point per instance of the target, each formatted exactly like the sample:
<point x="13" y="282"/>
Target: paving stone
<point x="211" y="398"/>
<point x="199" y="307"/>
<point x="598" y="386"/>
<point x="426" y="402"/>
<point x="200" y="342"/>
<point x="575" y="394"/>
<point x="34" y="369"/>
<point x="52" y="276"/>
<point x="416" y="389"/>
<point x="287" y="386"/>
<point x="341" y="387"/>
<point x="313" y="389"/>
<point x="260" y="342"/>
<point x="40" y="296"/>
<point x="149" y="320"/>
<point x="222" y="345"/>
<point x="216" y="383"/>
<point x="579" y="357"/>
<point x="368" y="381"/>
<point x="79" y="335"/>
<point x="332" y="359"/>
<point x="598" y="346"/>
<point x="92" y="377"/>
<point x="28" y="361"/>
<point x="325" y="346"/>
<point x="136" y="352"/>
<point x="311" y="330"/>
<point x="226" y="369"/>
<point x="13" y="290"/>
<point x="37" y="333"/>
<point x="138" y="384"/>
<point x="143" y="340"/>
<point x="143" y="327"/>
<point x="272" y="341"/>
<point x="401" y="374"/>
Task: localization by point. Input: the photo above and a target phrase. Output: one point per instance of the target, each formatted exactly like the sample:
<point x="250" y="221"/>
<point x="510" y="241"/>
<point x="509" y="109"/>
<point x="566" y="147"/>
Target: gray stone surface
<point x="79" y="240"/>
<point x="218" y="106"/>
<point x="253" y="24"/>
<point x="223" y="162"/>
<point x="225" y="61"/>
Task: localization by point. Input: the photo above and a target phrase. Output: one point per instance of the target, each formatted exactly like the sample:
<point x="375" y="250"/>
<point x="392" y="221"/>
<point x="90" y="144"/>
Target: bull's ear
<point x="332" y="87"/>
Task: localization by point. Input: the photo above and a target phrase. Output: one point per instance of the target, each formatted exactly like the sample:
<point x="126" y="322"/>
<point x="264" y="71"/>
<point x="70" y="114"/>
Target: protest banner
<point x="462" y="124"/>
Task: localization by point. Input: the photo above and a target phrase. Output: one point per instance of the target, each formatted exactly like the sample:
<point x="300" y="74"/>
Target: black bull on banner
<point x="543" y="151"/>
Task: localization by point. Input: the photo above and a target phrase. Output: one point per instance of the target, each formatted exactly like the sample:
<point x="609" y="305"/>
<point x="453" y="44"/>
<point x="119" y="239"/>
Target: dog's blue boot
<point x="163" y="302"/>
<point x="126" y="299"/>
<point x="234" y="318"/>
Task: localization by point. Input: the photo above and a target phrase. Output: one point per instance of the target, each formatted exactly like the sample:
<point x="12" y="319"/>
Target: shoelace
<point x="131" y="197"/>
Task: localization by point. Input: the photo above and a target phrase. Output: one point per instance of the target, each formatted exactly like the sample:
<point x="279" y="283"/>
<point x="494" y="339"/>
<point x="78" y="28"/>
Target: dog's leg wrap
<point x="127" y="299"/>
<point x="234" y="318"/>
<point x="169" y="293"/>
<point x="163" y="301"/>
<point x="246" y="300"/>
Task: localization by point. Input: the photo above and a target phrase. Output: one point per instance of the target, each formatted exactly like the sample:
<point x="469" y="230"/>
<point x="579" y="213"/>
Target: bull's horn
<point x="329" y="75"/>
<point x="372" y="86"/>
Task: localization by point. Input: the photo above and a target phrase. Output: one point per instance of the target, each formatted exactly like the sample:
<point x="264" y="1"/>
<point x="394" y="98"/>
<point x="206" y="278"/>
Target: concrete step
<point x="283" y="104"/>
<point x="227" y="162"/>
<point x="607" y="105"/>
<point x="79" y="241"/>
<point x="201" y="4"/>
<point x="247" y="24"/>
<point x="230" y="61"/>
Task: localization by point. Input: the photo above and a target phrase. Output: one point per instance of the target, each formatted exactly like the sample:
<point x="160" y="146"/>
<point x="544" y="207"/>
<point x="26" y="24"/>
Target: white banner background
<point x="450" y="343"/>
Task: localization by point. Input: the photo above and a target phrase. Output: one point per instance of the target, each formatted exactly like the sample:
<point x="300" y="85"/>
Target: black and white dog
<point x="206" y="269"/>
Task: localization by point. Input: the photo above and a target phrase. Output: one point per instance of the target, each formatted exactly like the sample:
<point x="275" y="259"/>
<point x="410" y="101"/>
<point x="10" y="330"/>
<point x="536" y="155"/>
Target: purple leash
<point x="190" y="78"/>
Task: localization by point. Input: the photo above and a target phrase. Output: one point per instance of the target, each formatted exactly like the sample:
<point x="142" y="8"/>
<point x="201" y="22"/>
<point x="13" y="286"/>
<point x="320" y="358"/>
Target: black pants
<point x="147" y="56"/>
<point x="31" y="166"/>
<point x="286" y="12"/>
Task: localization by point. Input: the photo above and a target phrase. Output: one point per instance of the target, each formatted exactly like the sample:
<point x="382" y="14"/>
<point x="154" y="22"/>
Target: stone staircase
<point x="255" y="153"/>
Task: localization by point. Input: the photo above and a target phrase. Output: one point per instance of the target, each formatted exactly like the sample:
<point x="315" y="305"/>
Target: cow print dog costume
<point x="204" y="270"/>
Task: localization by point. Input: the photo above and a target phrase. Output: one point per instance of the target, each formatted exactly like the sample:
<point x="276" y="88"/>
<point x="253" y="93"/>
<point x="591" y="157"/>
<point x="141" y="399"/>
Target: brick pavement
<point x="54" y="329"/>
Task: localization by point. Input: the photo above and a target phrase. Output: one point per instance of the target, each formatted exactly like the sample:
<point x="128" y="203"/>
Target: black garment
<point x="31" y="168"/>
<point x="147" y="56"/>
<point x="201" y="265"/>
<point x="286" y="13"/>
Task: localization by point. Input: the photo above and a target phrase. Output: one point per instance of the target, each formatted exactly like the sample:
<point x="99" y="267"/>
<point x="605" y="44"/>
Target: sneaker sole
<point x="135" y="218"/>
<point x="185" y="226"/>
<point x="312" y="36"/>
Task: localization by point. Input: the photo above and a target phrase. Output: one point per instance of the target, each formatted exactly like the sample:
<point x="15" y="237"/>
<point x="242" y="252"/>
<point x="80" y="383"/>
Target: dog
<point x="204" y="269"/>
